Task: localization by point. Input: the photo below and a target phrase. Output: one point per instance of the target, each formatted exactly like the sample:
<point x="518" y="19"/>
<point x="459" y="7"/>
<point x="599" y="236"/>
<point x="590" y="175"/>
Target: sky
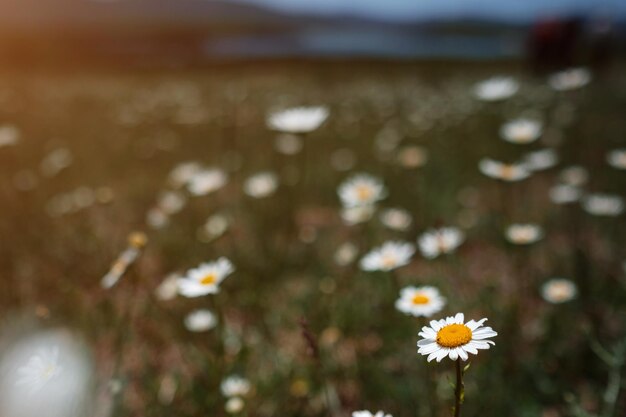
<point x="514" y="10"/>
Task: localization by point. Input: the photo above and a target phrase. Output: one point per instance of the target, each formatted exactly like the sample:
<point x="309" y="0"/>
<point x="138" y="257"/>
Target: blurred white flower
<point x="45" y="374"/>
<point x="389" y="256"/>
<point x="558" y="290"/>
<point x="541" y="159"/>
<point x="261" y="185"/>
<point x="9" y="135"/>
<point x="420" y="301"/>
<point x="521" y="131"/>
<point x="346" y="254"/>
<point x="603" y="204"/>
<point x="55" y="162"/>
<point x="503" y="171"/>
<point x="298" y="119"/>
<point x="617" y="158"/>
<point x="168" y="288"/>
<point x="396" y="219"/>
<point x="215" y="226"/>
<point x="235" y="386"/>
<point x="182" y="173"/>
<point x="435" y="242"/>
<point x="206" y="181"/>
<point x="361" y="190"/>
<point x="358" y="214"/>
<point x="523" y="234"/>
<point x="200" y="320"/>
<point x="570" y="79"/>
<point x="288" y="144"/>
<point x="564" y="194"/>
<point x="205" y="279"/>
<point x="171" y="202"/>
<point x="496" y="88"/>
<point x="156" y="218"/>
<point x="412" y="157"/>
<point x="365" y="413"/>
<point x="234" y="405"/>
<point x="574" y="175"/>
<point x="453" y="338"/>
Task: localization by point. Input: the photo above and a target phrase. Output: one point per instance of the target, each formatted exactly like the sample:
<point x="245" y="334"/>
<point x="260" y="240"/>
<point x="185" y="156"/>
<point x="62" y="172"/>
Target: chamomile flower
<point x="435" y="242"/>
<point x="617" y="158"/>
<point x="523" y="234"/>
<point x="205" y="279"/>
<point x="206" y="181"/>
<point x="365" y="413"/>
<point x="389" y="256"/>
<point x="298" y="119"/>
<point x="261" y="185"/>
<point x="234" y="405"/>
<point x="182" y="173"/>
<point x="558" y="290"/>
<point x="570" y="79"/>
<point x="454" y="338"/>
<point x="41" y="368"/>
<point x="200" y="320"/>
<point x="361" y="190"/>
<point x="521" y="131"/>
<point x="235" y="386"/>
<point x="420" y="301"/>
<point x="357" y="214"/>
<point x="503" y="171"/>
<point x="396" y="219"/>
<point x="603" y="204"/>
<point x="496" y="88"/>
<point x="346" y="254"/>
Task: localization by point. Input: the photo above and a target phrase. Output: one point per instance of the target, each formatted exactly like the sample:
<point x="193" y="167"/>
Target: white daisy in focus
<point x="565" y="194"/>
<point x="298" y="119"/>
<point x="603" y="204"/>
<point x="496" y="88"/>
<point x="9" y="135"/>
<point x="420" y="301"/>
<point x="575" y="175"/>
<point x="40" y="369"/>
<point x="206" y="181"/>
<point x="570" y="79"/>
<point x="205" y="279"/>
<point x="558" y="290"/>
<point x="523" y="234"/>
<point x="365" y="413"/>
<point x="235" y="386"/>
<point x="389" y="256"/>
<point x="361" y="190"/>
<point x="453" y="338"/>
<point x="541" y="159"/>
<point x="234" y="405"/>
<point x="358" y="214"/>
<point x="261" y="185"/>
<point x="200" y="320"/>
<point x="521" y="131"/>
<point x="617" y="158"/>
<point x="396" y="219"/>
<point x="503" y="171"/>
<point x="435" y="242"/>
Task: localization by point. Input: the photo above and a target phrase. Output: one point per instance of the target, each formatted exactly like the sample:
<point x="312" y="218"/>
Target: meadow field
<point x="117" y="185"/>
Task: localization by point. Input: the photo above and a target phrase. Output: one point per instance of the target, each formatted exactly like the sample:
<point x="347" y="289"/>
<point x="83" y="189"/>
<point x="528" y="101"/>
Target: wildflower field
<point x="275" y="240"/>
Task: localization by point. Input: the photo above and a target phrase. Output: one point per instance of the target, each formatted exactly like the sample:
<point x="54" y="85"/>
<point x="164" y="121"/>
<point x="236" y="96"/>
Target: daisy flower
<point x="346" y="254"/>
<point x="521" y="131"/>
<point x="617" y="158"/>
<point x="453" y="338"/>
<point x="361" y="190"/>
<point x="206" y="181"/>
<point x="200" y="320"/>
<point x="40" y="369"/>
<point x="503" y="171"/>
<point x="603" y="204"/>
<point x="365" y="413"/>
<point x="298" y="119"/>
<point x="235" y="386"/>
<point x="396" y="219"/>
<point x="570" y="79"/>
<point x="523" y="234"/>
<point x="435" y="242"/>
<point x="205" y="279"/>
<point x="420" y="301"/>
<point x="558" y="290"/>
<point x="234" y="405"/>
<point x="182" y="173"/>
<point x="389" y="256"/>
<point x="261" y="185"/>
<point x="496" y="88"/>
<point x="357" y="214"/>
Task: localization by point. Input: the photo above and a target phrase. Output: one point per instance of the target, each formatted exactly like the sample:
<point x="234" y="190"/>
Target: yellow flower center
<point x="208" y="279"/>
<point x="364" y="192"/>
<point x="454" y="335"/>
<point x="389" y="261"/>
<point x="507" y="172"/>
<point x="420" y="299"/>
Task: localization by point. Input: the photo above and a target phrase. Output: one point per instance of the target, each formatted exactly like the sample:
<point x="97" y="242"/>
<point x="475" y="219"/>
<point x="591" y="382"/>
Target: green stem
<point x="458" y="390"/>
